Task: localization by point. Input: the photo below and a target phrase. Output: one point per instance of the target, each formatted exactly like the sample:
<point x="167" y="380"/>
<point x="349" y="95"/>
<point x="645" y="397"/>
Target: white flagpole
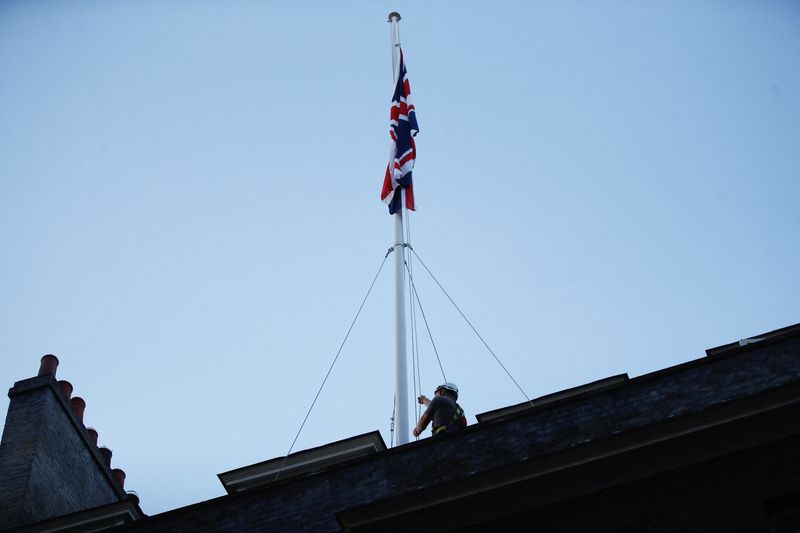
<point x="401" y="365"/>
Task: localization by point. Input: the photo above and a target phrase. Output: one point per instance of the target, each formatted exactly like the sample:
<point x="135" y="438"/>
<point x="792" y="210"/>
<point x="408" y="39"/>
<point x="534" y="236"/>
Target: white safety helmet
<point x="448" y="386"/>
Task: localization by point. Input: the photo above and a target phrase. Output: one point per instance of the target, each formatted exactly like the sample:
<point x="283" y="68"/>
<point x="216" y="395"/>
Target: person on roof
<point x="447" y="416"/>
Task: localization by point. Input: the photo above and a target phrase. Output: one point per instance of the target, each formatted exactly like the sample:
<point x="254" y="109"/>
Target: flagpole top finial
<point x="394" y="15"/>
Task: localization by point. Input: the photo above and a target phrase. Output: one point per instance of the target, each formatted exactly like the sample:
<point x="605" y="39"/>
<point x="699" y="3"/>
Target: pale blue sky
<point x="189" y="212"/>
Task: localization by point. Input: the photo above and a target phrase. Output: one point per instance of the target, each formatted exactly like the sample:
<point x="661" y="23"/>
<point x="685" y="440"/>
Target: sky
<point x="190" y="213"/>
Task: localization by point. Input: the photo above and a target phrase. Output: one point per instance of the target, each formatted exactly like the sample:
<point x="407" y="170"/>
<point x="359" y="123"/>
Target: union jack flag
<point x="402" y="129"/>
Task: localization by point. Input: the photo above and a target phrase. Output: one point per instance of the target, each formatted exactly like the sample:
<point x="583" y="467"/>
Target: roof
<point x="581" y="390"/>
<point x="771" y="336"/>
<point x="580" y="441"/>
<point x="300" y="463"/>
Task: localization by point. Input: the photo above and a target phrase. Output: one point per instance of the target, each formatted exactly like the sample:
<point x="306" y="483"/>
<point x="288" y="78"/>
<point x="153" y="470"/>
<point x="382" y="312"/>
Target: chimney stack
<point x="48" y="365"/>
<point x="66" y="388"/>
<point x="106" y="453"/>
<point x="78" y="406"/>
<point x="120" y="475"/>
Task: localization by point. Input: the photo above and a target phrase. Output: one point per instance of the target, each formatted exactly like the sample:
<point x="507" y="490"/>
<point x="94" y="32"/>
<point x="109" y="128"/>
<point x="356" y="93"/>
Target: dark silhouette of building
<point x="50" y="464"/>
<point x="708" y="445"/>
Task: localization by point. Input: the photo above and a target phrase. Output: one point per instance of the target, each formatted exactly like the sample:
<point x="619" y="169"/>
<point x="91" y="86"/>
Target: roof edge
<point x="303" y="462"/>
<point x="553" y="398"/>
<point x="770" y="336"/>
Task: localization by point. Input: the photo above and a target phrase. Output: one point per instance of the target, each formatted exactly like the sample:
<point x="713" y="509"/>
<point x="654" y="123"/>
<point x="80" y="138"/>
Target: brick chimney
<point x="50" y="464"/>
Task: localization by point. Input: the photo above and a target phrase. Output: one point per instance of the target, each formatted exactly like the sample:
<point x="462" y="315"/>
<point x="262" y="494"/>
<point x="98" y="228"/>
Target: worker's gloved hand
<point x="416" y="431"/>
<point x="423" y="400"/>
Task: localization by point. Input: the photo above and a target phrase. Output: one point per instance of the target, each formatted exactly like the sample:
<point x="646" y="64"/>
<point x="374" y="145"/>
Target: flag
<point x="402" y="129"/>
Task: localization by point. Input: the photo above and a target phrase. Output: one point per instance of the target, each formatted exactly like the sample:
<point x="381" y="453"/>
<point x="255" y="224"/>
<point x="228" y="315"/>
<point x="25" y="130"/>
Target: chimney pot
<point x="133" y="496"/>
<point x="66" y="388"/>
<point x="92" y="435"/>
<point x="48" y="365"/>
<point x="120" y="475"/>
<point x="78" y="406"/>
<point x="106" y="453"/>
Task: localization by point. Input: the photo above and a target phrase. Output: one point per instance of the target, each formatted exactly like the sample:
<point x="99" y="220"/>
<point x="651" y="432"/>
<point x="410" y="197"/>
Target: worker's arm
<point x="423" y="400"/>
<point x="424" y="420"/>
